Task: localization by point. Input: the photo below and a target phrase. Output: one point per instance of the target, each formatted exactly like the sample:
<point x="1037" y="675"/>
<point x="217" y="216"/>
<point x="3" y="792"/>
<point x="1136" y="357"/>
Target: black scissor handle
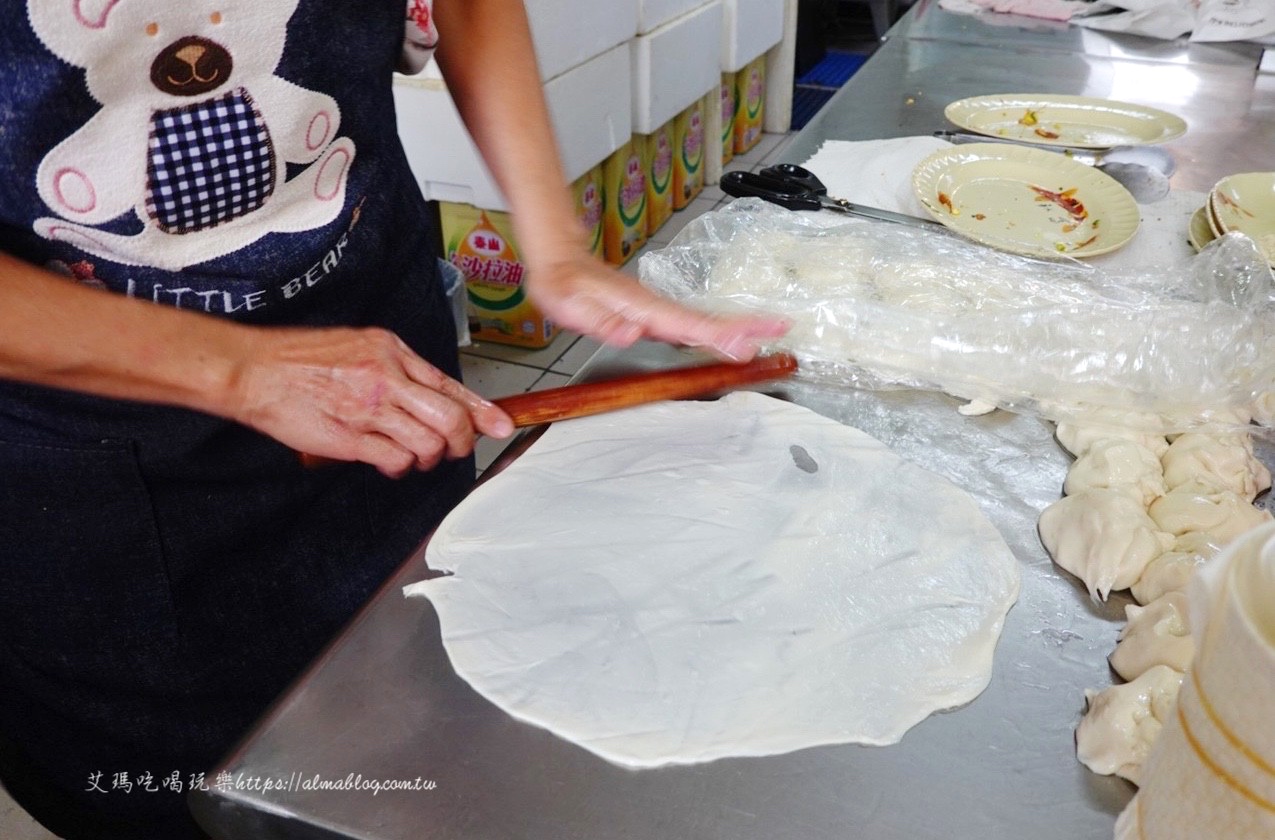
<point x="785" y="193"/>
<point x="798" y="175"/>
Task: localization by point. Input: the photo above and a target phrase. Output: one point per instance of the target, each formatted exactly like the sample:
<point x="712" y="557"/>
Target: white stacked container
<point x="582" y="47"/>
<point x="676" y="62"/>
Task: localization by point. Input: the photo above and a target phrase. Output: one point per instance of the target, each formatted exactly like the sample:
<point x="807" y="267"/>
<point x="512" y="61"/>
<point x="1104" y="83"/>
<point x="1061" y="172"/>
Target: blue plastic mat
<point x="806" y="102"/>
<point x="833" y="70"/>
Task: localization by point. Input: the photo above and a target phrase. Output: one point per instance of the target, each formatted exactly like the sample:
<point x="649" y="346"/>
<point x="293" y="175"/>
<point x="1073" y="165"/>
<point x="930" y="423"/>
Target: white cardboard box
<point x="674" y="65"/>
<point x="568" y="33"/>
<point x="655" y="13"/>
<point x="749" y="28"/>
<point x="589" y="105"/>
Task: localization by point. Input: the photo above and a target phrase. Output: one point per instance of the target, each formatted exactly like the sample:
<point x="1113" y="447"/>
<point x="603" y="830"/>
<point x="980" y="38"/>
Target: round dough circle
<point x="687" y="581"/>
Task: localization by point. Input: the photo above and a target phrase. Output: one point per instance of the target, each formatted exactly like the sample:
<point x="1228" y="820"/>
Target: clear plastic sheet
<point x="1163" y="348"/>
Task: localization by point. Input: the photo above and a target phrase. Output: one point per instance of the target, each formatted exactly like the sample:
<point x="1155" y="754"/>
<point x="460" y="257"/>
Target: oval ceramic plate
<point x="1245" y="204"/>
<point x="1077" y="121"/>
<point x="1198" y="232"/>
<point x="1027" y="201"/>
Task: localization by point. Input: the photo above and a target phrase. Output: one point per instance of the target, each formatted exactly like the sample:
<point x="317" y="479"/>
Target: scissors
<point x="797" y="188"/>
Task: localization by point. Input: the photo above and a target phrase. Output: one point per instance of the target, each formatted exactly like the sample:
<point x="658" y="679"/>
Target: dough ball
<point x="1078" y="438"/>
<point x="1171" y="571"/>
<point x="976" y="408"/>
<point x="1264" y="409"/>
<point x="1157" y="634"/>
<point x="1215" y="419"/>
<point x="1207" y="463"/>
<point x="1224" y="515"/>
<point x="1123" y="722"/>
<point x="1103" y="537"/>
<point x="1122" y="465"/>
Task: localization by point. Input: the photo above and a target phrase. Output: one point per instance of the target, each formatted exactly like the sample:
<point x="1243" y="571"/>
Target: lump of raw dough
<point x="1224" y="515"/>
<point x="1157" y="634"/>
<point x="1115" y="464"/>
<point x="1171" y="571"/>
<point x="1213" y="420"/>
<point x="1077" y="438"/>
<point x="1206" y="463"/>
<point x="1103" y="537"/>
<point x="1123" y="721"/>
<point x="1264" y="409"/>
<point x="976" y="408"/>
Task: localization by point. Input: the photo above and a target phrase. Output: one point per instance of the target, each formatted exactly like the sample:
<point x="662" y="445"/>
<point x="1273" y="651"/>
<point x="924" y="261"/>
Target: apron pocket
<point x="84" y="594"/>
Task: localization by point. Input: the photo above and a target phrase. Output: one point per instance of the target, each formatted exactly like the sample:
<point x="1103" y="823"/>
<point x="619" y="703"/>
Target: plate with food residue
<point x="1080" y="122"/>
<point x="1198" y="232"/>
<point x="1245" y="203"/>
<point x="1027" y="201"/>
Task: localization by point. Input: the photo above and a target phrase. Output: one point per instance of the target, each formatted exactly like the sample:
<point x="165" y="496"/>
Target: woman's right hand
<point x="358" y="395"/>
<point x="339" y="393"/>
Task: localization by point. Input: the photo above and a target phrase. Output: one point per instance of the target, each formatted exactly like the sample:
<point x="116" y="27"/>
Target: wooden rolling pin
<point x="587" y="398"/>
<point x="536" y="407"/>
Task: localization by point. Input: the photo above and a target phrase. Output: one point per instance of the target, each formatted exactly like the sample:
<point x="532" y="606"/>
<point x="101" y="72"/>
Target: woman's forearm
<point x="486" y="55"/>
<point x="57" y="332"/>
<point x="343" y="393"/>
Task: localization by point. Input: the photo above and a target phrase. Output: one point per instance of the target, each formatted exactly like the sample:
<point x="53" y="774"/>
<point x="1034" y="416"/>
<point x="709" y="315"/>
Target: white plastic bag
<point x="1166" y="19"/>
<point x="1234" y="20"/>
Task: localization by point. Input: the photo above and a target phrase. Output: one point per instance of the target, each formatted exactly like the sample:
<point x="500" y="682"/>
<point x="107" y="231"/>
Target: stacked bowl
<point x="1243" y="203"/>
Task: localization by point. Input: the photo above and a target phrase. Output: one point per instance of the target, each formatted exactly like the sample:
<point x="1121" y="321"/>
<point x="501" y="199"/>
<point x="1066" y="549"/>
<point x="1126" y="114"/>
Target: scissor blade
<point x="879" y="214"/>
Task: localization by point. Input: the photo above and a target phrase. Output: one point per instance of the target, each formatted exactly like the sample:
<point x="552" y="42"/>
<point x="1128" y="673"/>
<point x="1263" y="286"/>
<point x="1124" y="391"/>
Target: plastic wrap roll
<point x="877" y="305"/>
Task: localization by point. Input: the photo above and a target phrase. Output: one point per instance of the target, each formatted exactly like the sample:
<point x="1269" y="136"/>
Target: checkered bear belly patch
<point x="208" y="163"/>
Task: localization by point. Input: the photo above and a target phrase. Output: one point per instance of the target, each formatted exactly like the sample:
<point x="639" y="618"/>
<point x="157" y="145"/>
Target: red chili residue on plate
<point x="1230" y="202"/>
<point x="1066" y="199"/>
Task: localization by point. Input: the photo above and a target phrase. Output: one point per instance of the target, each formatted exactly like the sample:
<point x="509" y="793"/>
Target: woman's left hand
<point x="582" y="293"/>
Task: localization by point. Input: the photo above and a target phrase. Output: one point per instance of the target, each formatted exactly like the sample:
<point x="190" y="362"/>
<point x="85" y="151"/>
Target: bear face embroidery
<point x="194" y="134"/>
<point x="191" y="66"/>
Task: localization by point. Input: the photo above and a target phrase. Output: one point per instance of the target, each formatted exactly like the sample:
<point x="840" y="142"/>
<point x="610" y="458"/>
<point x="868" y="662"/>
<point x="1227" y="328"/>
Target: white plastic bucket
<point x="454" y="286"/>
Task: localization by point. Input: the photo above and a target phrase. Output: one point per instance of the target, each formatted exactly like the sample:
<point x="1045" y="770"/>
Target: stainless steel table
<point x="383" y="704"/>
<point x="933" y="58"/>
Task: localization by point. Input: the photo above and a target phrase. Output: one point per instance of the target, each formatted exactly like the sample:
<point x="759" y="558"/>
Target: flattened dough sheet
<point x="687" y="581"/>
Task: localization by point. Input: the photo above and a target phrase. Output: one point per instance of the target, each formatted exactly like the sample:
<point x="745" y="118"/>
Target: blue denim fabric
<point x="165" y="574"/>
<point x="160" y="590"/>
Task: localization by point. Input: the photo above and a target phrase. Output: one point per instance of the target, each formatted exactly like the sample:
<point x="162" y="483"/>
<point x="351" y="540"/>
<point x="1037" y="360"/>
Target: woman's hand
<point x="584" y="294"/>
<point x="359" y="395"/>
<point x="486" y="55"/>
<point x="347" y="394"/>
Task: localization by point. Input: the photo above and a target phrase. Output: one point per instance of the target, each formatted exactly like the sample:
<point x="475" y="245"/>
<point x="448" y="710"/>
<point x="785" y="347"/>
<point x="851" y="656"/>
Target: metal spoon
<point x="1143" y="170"/>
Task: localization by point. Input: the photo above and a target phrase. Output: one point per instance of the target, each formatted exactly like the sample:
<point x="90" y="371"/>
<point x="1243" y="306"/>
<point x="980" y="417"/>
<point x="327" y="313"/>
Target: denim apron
<point x="164" y="574"/>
